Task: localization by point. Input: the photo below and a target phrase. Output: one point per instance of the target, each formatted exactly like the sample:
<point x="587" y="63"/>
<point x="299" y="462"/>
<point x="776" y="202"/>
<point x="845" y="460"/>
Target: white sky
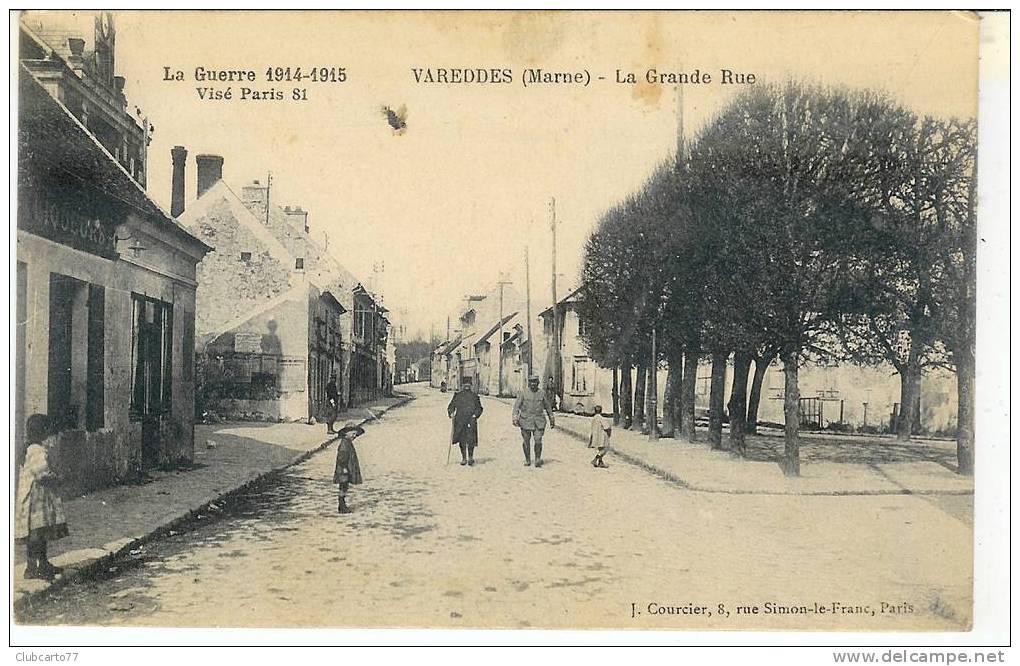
<point x="454" y="201"/>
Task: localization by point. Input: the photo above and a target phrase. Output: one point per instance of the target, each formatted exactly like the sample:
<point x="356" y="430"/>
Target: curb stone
<point x="122" y="547"/>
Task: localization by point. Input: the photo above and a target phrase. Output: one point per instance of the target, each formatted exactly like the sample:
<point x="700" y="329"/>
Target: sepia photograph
<point x="506" y="320"/>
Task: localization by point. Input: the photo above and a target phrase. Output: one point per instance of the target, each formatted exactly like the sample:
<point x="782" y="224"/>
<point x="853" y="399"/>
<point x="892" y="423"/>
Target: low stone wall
<point x="87" y="461"/>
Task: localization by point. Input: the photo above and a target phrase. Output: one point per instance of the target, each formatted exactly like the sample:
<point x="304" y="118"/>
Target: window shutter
<point x="95" y="372"/>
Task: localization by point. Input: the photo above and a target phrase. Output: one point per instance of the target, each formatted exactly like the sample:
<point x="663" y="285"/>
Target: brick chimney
<point x="210" y="170"/>
<point x="179" y="156"/>
<point x="297" y="218"/>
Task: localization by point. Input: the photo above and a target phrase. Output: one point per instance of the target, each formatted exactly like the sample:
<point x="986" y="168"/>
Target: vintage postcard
<point x="497" y="320"/>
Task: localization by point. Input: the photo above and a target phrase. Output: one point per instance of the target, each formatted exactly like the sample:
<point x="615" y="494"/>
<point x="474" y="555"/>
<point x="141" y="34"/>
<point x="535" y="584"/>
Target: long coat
<point x="348" y="469"/>
<point x="465" y="408"/>
<point x="39" y="510"/>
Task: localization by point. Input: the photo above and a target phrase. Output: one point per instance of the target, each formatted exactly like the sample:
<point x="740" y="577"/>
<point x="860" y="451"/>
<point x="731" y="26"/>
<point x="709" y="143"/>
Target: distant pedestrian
<point x="442" y="386"/>
<point x="464" y="409"/>
<point x="333" y="400"/>
<point x="40" y="512"/>
<point x="601" y="430"/>
<point x="530" y="410"/>
<point x="550" y="392"/>
<point x="348" y="470"/>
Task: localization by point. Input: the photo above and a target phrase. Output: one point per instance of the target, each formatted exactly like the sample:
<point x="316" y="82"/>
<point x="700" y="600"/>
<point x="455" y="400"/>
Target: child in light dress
<point x="601" y="429"/>
<point x="40" y="512"/>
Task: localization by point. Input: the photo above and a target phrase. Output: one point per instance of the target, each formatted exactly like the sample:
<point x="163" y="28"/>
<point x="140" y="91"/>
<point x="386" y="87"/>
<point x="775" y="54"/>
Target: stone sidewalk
<point x="228" y="457"/>
<point x="830" y="465"/>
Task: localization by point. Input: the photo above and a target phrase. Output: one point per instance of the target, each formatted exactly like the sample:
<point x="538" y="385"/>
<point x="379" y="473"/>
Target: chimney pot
<point x="179" y="157"/>
<point x="210" y="171"/>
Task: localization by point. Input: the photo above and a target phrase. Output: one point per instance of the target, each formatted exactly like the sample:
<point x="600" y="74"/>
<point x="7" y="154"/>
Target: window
<point x="360" y="323"/>
<point x="299" y="263"/>
<point x="579" y="379"/>
<point x="75" y="391"/>
<point x="246" y="257"/>
<point x="151" y="356"/>
<point x="582" y="328"/>
<point x="547" y="325"/>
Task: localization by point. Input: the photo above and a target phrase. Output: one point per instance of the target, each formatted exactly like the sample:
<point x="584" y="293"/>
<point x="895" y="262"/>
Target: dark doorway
<point x="151" y="363"/>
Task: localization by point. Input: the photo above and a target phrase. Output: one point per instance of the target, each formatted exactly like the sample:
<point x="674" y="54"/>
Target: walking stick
<point x="449" y="447"/>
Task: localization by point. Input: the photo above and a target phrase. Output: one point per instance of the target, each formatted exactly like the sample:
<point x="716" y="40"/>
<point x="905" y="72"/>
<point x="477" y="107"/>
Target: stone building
<point x="459" y="357"/>
<point x="105" y="278"/>
<point x="854" y="396"/>
<point x="514" y="357"/>
<point x="278" y="315"/>
<point x="488" y="351"/>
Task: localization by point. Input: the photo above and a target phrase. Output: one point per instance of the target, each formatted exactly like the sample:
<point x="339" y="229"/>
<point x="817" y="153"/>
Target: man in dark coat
<point x="348" y="470"/>
<point x="464" y="409"/>
<point x="333" y="400"/>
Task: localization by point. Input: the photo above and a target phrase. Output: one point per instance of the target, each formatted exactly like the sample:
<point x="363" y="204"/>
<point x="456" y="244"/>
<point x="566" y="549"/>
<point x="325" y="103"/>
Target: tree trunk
<point x="639" y="397"/>
<point x="761" y="366"/>
<point x="791" y="413"/>
<point x="963" y="353"/>
<point x="616" y="395"/>
<point x="738" y="402"/>
<point x="910" y="380"/>
<point x="716" y="395"/>
<point x="626" y="397"/>
<point x="670" y="408"/>
<point x="688" y="388"/>
<point x="965" y="380"/>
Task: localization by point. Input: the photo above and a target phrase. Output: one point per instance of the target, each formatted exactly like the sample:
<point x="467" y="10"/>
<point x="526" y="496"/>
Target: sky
<point x="454" y="200"/>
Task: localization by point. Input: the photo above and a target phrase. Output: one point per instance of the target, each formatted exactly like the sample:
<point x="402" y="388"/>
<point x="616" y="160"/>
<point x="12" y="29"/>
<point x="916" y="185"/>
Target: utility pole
<point x="556" y="324"/>
<point x="653" y="393"/>
<point x="269" y="185"/>
<point x="499" y="348"/>
<point x="527" y="281"/>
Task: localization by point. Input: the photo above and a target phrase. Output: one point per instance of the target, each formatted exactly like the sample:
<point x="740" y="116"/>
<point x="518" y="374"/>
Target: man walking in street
<point x="464" y="409"/>
<point x="333" y="400"/>
<point x="529" y="414"/>
<point x="550" y="392"/>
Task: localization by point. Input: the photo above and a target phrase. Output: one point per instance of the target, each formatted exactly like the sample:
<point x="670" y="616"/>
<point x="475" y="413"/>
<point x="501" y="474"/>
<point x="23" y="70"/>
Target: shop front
<point x="105" y="305"/>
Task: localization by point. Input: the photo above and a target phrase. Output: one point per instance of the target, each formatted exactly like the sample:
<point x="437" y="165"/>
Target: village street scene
<point x="733" y="391"/>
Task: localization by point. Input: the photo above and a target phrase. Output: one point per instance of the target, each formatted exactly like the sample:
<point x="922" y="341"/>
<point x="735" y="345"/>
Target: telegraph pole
<point x="556" y="325"/>
<point x="499" y="349"/>
<point x="269" y="185"/>
<point x="527" y="279"/>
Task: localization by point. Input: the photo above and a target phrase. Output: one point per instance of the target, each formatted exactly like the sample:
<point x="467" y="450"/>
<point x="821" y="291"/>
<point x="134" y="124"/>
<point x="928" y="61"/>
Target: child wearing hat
<point x="40" y="512"/>
<point x="601" y="429"/>
<point x="347" y="470"/>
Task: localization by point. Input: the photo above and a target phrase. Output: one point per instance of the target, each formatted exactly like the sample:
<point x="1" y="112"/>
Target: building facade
<point x="278" y="315"/>
<point x="105" y="278"/>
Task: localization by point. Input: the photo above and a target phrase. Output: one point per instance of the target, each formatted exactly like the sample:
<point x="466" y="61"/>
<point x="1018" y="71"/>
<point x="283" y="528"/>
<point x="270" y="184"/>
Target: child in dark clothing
<point x="347" y="471"/>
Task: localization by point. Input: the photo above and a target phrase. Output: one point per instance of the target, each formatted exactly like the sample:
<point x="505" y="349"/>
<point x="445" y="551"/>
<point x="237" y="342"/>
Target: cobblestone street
<point x="504" y="545"/>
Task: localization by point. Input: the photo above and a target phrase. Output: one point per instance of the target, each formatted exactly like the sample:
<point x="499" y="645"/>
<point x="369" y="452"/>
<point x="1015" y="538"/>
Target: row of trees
<point x="802" y="223"/>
